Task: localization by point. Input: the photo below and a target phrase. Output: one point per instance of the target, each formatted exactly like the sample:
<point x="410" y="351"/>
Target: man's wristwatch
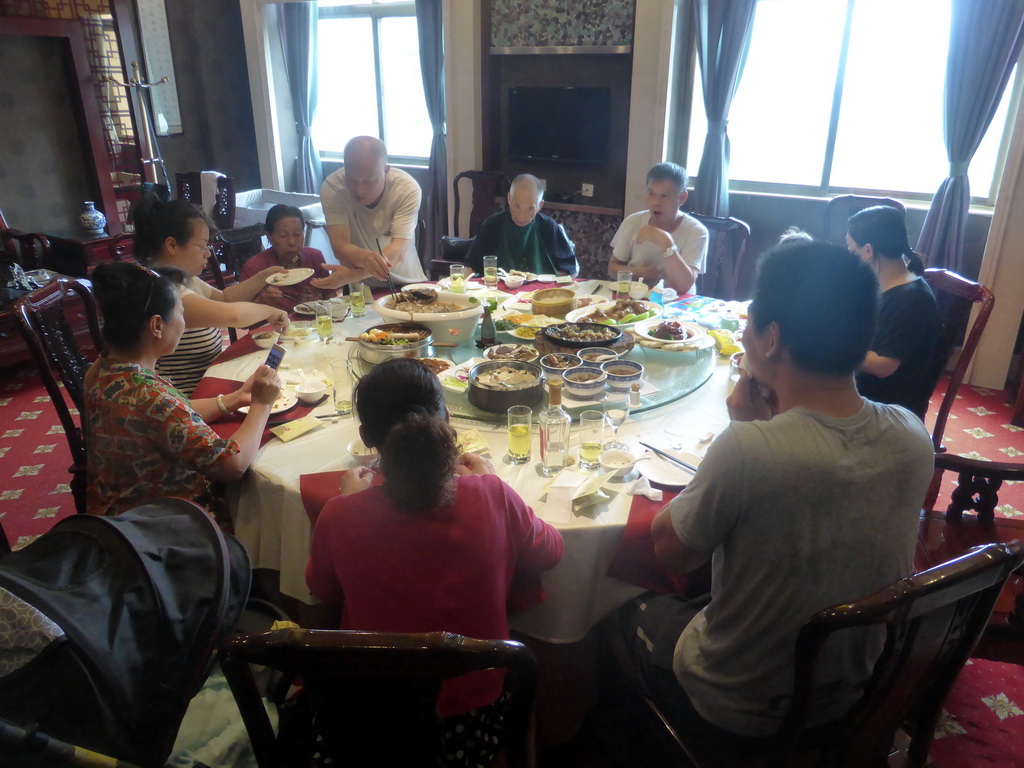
<point x="673" y="249"/>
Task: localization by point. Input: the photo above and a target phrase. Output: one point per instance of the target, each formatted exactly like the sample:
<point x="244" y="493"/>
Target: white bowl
<point x="363" y="455"/>
<point x="584" y="390"/>
<point x="638" y="290"/>
<point x="619" y="463"/>
<point x="311" y="391"/>
<point x="622" y="382"/>
<point x="266" y="342"/>
<point x="457" y="327"/>
<point x="513" y="282"/>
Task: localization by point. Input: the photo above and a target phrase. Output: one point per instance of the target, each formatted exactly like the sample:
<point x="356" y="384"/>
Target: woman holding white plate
<point x="177" y="234"/>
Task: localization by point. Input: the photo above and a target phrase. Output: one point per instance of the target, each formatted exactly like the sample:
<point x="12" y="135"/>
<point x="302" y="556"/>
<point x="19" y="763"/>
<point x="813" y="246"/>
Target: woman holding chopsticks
<point x="176" y="234"/>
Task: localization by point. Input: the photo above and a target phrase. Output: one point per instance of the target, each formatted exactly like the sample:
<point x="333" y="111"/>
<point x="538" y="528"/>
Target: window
<point x="846" y="95"/>
<point x="368" y="78"/>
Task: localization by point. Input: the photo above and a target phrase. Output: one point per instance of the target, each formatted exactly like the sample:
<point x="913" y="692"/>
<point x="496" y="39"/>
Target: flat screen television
<point x="566" y="125"/>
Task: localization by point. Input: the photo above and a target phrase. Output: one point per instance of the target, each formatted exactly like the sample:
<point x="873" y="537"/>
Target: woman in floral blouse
<point x="144" y="439"/>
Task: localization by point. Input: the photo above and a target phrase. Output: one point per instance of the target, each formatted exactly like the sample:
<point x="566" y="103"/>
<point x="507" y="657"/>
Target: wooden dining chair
<point x="956" y="297"/>
<point x="727" y="251"/>
<point x="46" y="319"/>
<point x="931" y="621"/>
<point x="371" y="696"/>
<point x="486" y="189"/>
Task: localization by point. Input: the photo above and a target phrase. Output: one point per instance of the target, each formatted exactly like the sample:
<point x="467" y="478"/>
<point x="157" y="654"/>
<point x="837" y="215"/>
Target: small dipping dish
<point x="619" y="463"/>
<point x="622" y="374"/>
<point x="266" y="339"/>
<point x="363" y="455"/>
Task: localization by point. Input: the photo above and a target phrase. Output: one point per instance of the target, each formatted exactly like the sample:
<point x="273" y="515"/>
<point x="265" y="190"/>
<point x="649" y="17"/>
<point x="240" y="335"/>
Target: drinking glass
<point x="357" y="300"/>
<point x="591" y="438"/>
<point x="491" y="271"/>
<point x="616" y="411"/>
<point x="324" y="321"/>
<point x="341" y="376"/>
<point x="625" y="280"/>
<point x="457" y="279"/>
<point x="519" y="439"/>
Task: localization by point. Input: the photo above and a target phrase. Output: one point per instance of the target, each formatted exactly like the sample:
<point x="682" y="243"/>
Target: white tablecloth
<point x="272" y="524"/>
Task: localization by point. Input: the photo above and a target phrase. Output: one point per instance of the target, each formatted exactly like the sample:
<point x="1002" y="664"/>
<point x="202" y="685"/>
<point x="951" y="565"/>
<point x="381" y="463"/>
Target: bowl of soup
<point x="622" y="374"/>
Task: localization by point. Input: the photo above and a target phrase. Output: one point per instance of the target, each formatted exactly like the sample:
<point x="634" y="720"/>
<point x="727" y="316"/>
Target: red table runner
<point x="211" y="386"/>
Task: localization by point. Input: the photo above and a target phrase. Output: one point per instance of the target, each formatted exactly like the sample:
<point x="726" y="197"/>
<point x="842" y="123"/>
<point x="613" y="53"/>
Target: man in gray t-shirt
<point x="809" y="499"/>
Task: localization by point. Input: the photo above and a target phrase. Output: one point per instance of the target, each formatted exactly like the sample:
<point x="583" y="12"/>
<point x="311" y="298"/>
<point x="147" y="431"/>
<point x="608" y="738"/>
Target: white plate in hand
<point x="284" y="401"/>
<point x="291" y="277"/>
<point x="667" y="473"/>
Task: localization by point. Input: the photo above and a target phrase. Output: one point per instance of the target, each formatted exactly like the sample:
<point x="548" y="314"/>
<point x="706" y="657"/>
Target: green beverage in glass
<point x="324" y="323"/>
<point x="357" y="300"/>
<point x="458" y="279"/>
<point x="519" y="438"/>
<point x="591" y="439"/>
<point x="491" y="271"/>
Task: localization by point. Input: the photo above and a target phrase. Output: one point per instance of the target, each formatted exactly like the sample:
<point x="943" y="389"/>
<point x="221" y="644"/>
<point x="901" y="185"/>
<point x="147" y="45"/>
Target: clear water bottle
<point x="554" y="431"/>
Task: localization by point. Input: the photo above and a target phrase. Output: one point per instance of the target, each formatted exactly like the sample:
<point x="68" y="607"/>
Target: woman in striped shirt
<point x="177" y="234"/>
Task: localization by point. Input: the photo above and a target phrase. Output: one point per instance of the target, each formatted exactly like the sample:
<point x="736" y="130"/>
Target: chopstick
<point x="292" y="263"/>
<point x="391" y="283"/>
<point x="670" y="457"/>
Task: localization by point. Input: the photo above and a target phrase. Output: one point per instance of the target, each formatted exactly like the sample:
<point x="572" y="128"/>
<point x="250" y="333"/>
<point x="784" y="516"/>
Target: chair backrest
<point x="956" y="297"/>
<point x="44" y="321"/>
<point x="377" y="691"/>
<point x="122" y="247"/>
<point x="487" y="186"/>
<point x="189" y="187"/>
<point x="727" y="252"/>
<point x="932" y="622"/>
<point x="838" y="211"/>
<point x="26" y="249"/>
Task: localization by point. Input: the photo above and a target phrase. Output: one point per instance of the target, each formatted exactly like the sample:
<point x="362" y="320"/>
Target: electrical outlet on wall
<point x="587" y="190"/>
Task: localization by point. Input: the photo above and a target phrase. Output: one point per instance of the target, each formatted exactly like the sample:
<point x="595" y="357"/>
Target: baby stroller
<point x="108" y="627"/>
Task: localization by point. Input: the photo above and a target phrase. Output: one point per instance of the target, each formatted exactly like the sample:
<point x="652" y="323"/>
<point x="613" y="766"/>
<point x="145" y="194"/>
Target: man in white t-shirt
<point x="661" y="243"/>
<point x="810" y="498"/>
<point x="369" y="201"/>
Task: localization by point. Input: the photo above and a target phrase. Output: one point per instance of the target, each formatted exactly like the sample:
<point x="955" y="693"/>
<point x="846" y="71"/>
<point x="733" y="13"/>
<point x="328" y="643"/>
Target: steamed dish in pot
<point x="505" y="376"/>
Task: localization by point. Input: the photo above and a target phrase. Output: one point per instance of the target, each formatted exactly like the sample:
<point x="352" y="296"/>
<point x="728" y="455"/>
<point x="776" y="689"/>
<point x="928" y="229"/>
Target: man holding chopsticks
<point x="369" y="201"/>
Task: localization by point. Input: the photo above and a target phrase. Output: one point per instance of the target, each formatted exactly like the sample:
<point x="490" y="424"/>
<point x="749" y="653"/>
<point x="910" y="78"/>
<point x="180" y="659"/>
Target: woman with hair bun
<point x="900" y="368"/>
<point x="434" y="546"/>
<point x="176" y="234"/>
<point x="143" y="437"/>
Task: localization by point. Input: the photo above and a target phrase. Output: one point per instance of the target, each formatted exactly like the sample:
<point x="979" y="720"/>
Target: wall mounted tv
<point x="565" y="125"/>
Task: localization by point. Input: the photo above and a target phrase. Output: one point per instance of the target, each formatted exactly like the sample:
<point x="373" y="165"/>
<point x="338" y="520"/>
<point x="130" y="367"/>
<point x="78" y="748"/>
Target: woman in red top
<point x="433" y="547"/>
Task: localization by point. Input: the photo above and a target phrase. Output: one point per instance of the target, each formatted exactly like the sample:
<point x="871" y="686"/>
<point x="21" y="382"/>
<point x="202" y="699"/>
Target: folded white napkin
<point x="642" y="487"/>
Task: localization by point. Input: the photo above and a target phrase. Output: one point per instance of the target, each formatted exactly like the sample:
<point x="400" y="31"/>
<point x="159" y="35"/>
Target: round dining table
<point x="273" y="524"/>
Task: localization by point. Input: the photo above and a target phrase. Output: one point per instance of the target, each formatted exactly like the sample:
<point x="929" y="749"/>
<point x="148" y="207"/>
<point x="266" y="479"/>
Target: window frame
<point x="375" y="12"/>
<point x="684" y="90"/>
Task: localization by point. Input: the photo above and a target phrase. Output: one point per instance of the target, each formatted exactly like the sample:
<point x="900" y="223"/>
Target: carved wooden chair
<point x="838" y="211"/>
<point x="487" y="188"/>
<point x="27" y="249"/>
<point x="44" y="321"/>
<point x="372" y="694"/>
<point x="727" y="252"/>
<point x="956" y="298"/>
<point x="932" y="621"/>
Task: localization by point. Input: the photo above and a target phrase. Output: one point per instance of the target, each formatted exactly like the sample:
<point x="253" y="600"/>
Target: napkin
<point x="634" y="560"/>
<point x="589" y="492"/>
<point x="317" y="489"/>
<point x="471" y="441"/>
<point x="642" y="487"/>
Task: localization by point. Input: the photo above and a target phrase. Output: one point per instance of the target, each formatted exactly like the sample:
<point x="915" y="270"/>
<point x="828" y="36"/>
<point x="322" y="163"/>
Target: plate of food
<point x="456" y="378"/>
<point x="623" y="313"/>
<point x="297" y="331"/>
<point x="518" y="352"/>
<point x="285" y="400"/>
<point x="671" y="332"/>
<point x="291" y="276"/>
<point x="445" y="283"/>
<point x="436" y="366"/>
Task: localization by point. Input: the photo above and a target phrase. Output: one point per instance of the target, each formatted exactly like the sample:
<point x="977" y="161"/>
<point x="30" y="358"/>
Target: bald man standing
<point x="366" y="201"/>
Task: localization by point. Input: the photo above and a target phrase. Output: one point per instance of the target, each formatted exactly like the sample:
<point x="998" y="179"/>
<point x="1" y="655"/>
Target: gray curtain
<point x="723" y="30"/>
<point x="984" y="44"/>
<point x="298" y="25"/>
<point x="435" y="208"/>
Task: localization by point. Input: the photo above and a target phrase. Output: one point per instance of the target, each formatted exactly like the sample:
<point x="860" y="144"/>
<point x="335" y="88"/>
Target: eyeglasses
<point x="208" y="248"/>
